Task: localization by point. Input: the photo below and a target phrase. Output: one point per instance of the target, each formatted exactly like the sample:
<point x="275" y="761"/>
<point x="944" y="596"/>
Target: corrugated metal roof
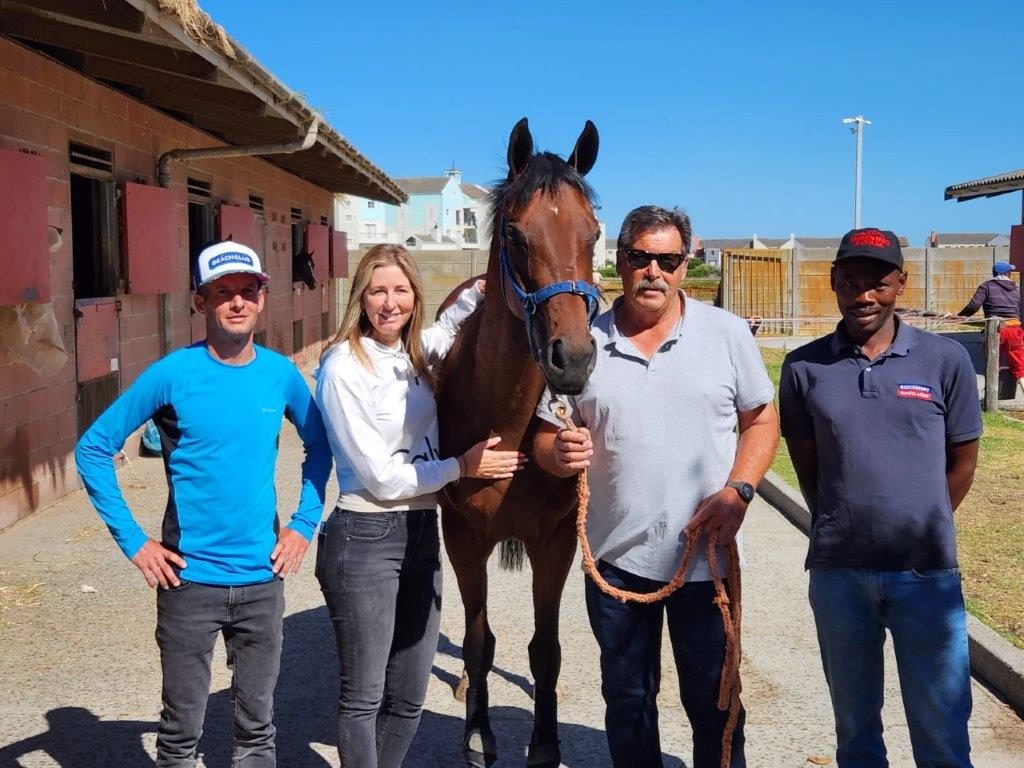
<point x="426" y="185"/>
<point x="722" y="243"/>
<point x="475" y="191"/>
<point x="965" y="238"/>
<point x="990" y="186"/>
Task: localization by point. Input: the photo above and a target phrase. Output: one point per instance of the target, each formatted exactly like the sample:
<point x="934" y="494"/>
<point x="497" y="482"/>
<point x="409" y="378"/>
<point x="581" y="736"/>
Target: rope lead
<point x="730" y="687"/>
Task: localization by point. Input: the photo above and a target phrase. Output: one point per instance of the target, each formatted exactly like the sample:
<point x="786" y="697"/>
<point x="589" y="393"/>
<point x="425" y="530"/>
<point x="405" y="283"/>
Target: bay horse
<point x="533" y="328"/>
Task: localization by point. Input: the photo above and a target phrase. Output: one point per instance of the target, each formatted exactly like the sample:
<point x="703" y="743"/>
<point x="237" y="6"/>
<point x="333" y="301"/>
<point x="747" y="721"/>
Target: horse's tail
<point x="512" y="555"/>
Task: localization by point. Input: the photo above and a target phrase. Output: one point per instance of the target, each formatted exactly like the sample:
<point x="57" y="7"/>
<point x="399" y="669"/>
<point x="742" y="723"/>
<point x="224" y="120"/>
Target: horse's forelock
<point x="546" y="172"/>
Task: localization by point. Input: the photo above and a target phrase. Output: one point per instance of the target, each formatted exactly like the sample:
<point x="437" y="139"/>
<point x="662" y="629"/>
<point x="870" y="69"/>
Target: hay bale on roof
<point x="199" y="26"/>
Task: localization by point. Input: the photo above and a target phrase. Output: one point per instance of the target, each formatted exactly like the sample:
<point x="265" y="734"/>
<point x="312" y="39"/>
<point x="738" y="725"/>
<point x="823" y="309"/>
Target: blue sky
<point x="730" y="110"/>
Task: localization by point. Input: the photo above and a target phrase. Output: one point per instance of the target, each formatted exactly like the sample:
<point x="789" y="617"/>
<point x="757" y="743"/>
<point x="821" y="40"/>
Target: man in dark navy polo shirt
<point x="882" y="423"/>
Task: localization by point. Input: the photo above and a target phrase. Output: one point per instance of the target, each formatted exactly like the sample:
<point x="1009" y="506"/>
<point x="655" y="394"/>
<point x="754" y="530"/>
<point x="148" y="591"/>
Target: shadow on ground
<point x="305" y="716"/>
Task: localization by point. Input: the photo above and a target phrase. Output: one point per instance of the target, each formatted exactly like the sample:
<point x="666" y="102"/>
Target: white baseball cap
<point x="228" y="258"/>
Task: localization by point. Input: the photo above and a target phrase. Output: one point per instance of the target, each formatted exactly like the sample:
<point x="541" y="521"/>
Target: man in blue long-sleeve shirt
<point x="218" y="564"/>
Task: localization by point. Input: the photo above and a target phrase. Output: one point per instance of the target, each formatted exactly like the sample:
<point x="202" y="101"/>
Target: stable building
<point x="132" y="132"/>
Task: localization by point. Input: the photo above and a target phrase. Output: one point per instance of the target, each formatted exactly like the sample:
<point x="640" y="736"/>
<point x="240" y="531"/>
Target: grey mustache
<point x="656" y="284"/>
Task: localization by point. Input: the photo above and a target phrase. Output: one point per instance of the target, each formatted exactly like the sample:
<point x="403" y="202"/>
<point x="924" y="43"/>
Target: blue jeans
<point x="629" y="635"/>
<point x="380" y="573"/>
<point x="189" y="619"/>
<point x="924" y="612"/>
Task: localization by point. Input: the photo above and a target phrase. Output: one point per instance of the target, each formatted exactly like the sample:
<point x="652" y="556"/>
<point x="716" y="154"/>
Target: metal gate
<point x="755" y="283"/>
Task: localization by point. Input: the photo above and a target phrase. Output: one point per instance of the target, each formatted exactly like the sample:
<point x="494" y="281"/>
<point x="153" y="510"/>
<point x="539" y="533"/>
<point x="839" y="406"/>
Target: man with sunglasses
<point x="657" y="428"/>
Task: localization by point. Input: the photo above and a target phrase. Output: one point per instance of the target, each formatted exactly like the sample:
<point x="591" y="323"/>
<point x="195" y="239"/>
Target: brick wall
<point x="43" y="106"/>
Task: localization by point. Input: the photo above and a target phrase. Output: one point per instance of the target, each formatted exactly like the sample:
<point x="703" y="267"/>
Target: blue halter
<point x="531" y="301"/>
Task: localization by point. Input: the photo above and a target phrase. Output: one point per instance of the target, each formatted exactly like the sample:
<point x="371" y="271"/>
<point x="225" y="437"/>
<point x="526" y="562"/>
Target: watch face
<point x="745" y="490"/>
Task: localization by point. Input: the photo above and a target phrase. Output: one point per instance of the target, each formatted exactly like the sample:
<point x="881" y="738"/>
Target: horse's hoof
<point x="558" y="693"/>
<point x="480" y="749"/>
<point x="544" y="756"/>
<point x="461" y="688"/>
<point x="478" y="759"/>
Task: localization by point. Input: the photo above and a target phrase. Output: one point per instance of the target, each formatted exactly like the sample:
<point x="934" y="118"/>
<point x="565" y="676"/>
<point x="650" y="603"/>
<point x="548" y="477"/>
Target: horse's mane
<point x="545" y="171"/>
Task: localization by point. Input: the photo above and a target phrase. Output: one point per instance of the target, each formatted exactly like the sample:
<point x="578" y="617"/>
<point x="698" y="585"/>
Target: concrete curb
<point x="993" y="659"/>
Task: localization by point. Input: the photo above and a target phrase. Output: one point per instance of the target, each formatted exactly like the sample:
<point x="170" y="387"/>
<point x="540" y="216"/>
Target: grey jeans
<point x="189" y="619"/>
<point x="381" y="577"/>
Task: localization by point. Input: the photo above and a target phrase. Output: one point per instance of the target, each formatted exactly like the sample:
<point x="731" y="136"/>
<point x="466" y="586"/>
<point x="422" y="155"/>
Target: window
<point x="458" y="218"/>
<point x="200" y="233"/>
<point x="95" y="236"/>
<point x="297" y="244"/>
<point x="371" y="204"/>
<point x="371" y="229"/>
<point x="199" y="190"/>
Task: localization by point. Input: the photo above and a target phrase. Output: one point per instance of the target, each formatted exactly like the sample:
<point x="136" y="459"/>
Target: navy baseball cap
<point x="871" y="243"/>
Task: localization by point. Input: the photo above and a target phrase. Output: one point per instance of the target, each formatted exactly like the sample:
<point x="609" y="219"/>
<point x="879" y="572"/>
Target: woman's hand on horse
<point x="481" y="285"/>
<point x="485" y="464"/>
<point x="573" y="449"/>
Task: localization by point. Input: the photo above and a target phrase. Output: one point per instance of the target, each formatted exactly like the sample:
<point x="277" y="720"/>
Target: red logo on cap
<point x="872" y="237"/>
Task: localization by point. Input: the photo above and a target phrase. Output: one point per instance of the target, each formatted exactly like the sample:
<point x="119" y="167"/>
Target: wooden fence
<point x="794" y="284"/>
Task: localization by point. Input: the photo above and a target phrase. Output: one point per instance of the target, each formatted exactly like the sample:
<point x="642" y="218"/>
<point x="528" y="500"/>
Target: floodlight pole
<point x="858" y="129"/>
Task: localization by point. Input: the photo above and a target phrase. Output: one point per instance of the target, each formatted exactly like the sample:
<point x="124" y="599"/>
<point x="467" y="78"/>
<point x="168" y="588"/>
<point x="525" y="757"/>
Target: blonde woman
<point x="378" y="558"/>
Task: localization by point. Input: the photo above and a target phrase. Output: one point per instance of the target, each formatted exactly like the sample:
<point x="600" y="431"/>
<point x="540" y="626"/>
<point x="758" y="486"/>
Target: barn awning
<point x="990" y="186"/>
<point x="170" y="55"/>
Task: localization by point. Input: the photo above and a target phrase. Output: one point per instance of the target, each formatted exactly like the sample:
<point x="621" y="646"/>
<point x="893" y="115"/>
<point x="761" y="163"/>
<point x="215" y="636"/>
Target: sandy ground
<point x="79" y="674"/>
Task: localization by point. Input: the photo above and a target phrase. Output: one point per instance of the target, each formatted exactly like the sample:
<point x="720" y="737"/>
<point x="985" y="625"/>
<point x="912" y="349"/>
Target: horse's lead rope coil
<point x="732" y="610"/>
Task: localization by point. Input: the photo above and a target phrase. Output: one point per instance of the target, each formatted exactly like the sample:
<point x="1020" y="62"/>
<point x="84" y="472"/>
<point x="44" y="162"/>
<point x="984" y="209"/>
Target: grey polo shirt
<point x="664" y="434"/>
<point x="881" y="427"/>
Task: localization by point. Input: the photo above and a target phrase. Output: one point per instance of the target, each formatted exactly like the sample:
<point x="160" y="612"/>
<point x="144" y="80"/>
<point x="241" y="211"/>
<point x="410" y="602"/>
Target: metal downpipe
<point x="205" y="153"/>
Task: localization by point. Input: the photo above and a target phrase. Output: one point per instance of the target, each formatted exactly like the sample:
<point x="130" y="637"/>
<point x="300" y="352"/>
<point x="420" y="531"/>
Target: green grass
<point x="990" y="522"/>
<point x="782" y="465"/>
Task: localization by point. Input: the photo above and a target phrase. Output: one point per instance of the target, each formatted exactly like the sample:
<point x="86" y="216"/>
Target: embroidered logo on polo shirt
<point x="914" y="391"/>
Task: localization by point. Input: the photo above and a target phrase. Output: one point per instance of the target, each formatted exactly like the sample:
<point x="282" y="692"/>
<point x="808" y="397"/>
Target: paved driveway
<point x="79" y="675"/>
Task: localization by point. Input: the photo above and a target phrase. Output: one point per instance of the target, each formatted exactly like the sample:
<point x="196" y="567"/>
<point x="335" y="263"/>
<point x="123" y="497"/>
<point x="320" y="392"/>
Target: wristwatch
<point x="745" y="490"/>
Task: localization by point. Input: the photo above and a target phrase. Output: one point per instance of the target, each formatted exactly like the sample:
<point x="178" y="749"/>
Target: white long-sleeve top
<point x="382" y="424"/>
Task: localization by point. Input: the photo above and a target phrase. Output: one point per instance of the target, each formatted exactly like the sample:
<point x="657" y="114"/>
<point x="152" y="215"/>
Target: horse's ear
<point x="584" y="154"/>
<point x="520" y="148"/>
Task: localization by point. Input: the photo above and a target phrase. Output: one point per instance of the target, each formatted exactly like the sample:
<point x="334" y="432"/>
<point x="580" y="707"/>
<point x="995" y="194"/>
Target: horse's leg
<point x="550" y="560"/>
<point x="479" y="745"/>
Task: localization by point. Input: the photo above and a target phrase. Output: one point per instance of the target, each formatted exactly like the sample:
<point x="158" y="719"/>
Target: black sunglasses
<point x="667" y="262"/>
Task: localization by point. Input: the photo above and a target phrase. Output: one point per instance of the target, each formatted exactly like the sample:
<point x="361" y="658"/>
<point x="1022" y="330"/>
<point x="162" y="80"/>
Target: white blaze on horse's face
<point x="554" y="209"/>
<point x="388" y="302"/>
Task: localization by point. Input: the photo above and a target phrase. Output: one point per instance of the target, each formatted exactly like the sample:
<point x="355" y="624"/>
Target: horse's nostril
<point x="556" y="356"/>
